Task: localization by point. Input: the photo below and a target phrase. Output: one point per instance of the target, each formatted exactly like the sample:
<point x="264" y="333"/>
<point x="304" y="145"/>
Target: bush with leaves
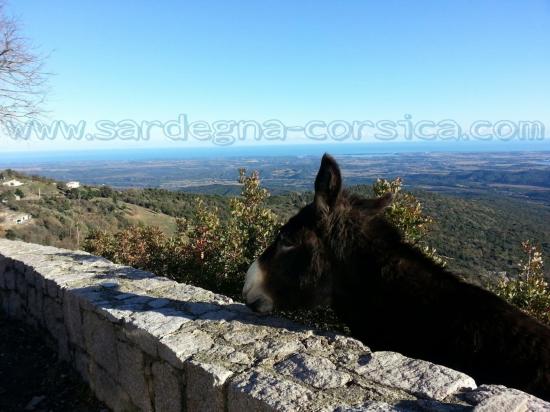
<point x="206" y="250"/>
<point x="529" y="291"/>
<point x="406" y="214"/>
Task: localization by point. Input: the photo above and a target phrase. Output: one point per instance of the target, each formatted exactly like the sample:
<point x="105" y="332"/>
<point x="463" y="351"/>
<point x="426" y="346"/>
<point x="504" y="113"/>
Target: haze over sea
<point x="352" y="149"/>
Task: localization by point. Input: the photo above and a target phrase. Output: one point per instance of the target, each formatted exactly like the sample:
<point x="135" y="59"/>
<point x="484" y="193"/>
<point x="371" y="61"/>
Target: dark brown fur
<point x="340" y="251"/>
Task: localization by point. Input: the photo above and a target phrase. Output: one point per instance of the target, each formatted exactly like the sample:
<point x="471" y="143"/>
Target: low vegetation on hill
<point x="59" y="216"/>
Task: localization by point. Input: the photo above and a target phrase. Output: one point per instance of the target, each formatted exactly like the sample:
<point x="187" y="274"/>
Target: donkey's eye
<point x="285" y="242"/>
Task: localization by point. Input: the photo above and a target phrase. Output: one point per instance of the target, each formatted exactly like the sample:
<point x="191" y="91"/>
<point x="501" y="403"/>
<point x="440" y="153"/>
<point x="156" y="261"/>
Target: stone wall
<point x="147" y="343"/>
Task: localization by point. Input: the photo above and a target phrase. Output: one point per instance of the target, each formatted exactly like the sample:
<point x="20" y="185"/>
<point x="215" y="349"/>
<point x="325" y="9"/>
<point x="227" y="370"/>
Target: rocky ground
<point x="32" y="379"/>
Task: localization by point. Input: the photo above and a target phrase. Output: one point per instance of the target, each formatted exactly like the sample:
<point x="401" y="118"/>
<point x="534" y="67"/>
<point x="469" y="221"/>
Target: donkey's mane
<point x="359" y="202"/>
<point x="356" y="224"/>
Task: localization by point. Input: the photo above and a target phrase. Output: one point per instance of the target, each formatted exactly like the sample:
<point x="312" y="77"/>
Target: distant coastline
<point x="21" y="158"/>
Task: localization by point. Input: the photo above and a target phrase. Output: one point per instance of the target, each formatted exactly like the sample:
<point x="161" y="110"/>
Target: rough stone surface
<point x="257" y="391"/>
<point x="504" y="402"/>
<point x="82" y="364"/>
<point x="179" y="347"/>
<point x="419" y="377"/>
<point x="205" y="386"/>
<point x="487" y="396"/>
<point x="73" y="319"/>
<point x="317" y="372"/>
<point x="108" y="390"/>
<point x="132" y="375"/>
<point x="101" y="342"/>
<point x="145" y="343"/>
<point x="370" y="407"/>
<point x="167" y="388"/>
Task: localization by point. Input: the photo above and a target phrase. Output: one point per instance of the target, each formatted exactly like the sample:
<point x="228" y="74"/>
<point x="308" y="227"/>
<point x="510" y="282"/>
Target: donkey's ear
<point x="381" y="203"/>
<point x="328" y="184"/>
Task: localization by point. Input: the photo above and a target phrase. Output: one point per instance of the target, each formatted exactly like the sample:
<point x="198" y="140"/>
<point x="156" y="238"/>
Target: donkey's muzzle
<point x="254" y="293"/>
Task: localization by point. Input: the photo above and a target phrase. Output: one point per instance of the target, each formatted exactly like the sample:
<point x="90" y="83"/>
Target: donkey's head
<point x="296" y="270"/>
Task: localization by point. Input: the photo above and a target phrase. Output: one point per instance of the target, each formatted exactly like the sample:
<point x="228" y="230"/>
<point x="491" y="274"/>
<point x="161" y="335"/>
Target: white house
<point x="20" y="219"/>
<point x="12" y="183"/>
<point x="72" y="185"/>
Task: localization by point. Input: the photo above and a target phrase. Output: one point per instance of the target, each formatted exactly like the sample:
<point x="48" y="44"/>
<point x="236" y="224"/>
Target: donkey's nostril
<point x="261" y="305"/>
<point x="255" y="305"/>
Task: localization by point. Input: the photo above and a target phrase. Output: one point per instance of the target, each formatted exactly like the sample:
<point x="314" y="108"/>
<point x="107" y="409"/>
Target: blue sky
<point x="291" y="60"/>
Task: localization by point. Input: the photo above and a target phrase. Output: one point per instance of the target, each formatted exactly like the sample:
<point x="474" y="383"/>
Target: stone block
<point x="53" y="321"/>
<point x="132" y="375"/>
<point x="314" y="371"/>
<point x="374" y="406"/>
<point x="63" y="349"/>
<point x="205" y="386"/>
<point x="35" y="305"/>
<point x="508" y="402"/>
<point x="168" y="388"/>
<point x="143" y="339"/>
<point x="487" y="396"/>
<point x="73" y="319"/>
<point x="100" y="339"/>
<point x="178" y="347"/>
<point x="108" y="390"/>
<point x="259" y="392"/>
<point x="415" y="376"/>
<point x="159" y="322"/>
<point x="53" y="315"/>
<point x="82" y="364"/>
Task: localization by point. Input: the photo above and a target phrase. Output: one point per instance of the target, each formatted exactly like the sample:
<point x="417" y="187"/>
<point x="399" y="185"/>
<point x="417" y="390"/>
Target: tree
<point x="220" y="250"/>
<point x="22" y="75"/>
<point x="19" y="192"/>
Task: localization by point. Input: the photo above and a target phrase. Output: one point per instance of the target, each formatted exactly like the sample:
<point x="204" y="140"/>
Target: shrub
<point x="529" y="291"/>
<point x="206" y="250"/>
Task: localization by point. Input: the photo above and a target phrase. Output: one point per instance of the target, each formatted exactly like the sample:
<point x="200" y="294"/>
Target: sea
<point x="19" y="158"/>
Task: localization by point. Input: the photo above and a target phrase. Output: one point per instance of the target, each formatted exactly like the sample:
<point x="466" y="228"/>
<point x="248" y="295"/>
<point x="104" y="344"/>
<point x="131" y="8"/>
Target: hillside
<point x="478" y="235"/>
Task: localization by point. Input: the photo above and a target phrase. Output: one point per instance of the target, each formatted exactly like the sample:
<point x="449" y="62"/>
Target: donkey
<point x="339" y="251"/>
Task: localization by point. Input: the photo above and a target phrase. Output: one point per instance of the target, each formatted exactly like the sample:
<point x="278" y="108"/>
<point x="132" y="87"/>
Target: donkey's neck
<point x="376" y="252"/>
<point x="383" y="280"/>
